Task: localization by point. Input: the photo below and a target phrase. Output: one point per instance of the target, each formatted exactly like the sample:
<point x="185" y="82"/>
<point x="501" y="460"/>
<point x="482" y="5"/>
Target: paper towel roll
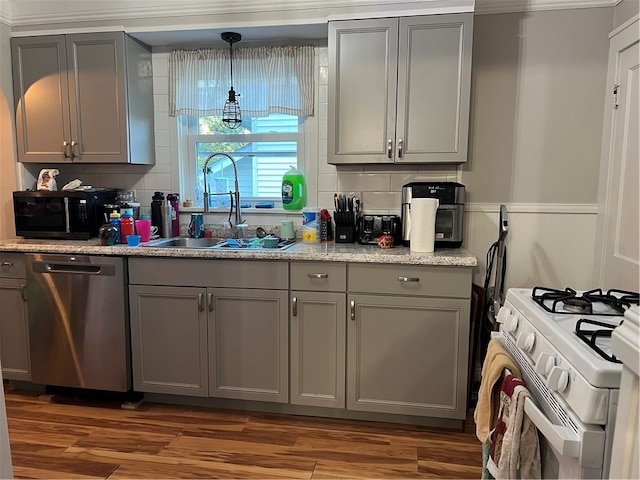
<point x="423" y="224"/>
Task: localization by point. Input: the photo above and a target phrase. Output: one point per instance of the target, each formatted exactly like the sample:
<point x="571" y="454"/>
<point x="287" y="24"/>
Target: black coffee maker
<point x="449" y="216"/>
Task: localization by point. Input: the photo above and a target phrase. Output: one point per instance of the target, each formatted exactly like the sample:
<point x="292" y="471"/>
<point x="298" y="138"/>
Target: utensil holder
<point x="345" y="227"/>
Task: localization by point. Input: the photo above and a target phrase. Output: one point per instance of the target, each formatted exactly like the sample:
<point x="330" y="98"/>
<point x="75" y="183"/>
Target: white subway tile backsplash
<point x="381" y="202"/>
<point x="163" y="155"/>
<point x="161" y="121"/>
<point x="398" y="180"/>
<point x="161" y="104"/>
<point x="364" y="182"/>
<point x="322" y="112"/>
<point x="160" y="63"/>
<point x="323" y="56"/>
<point x="323" y="76"/>
<point x="327" y="182"/>
<point x="162" y="139"/>
<point x="325" y="200"/>
<point x="157" y="181"/>
<point x="160" y="85"/>
<point x="323" y="93"/>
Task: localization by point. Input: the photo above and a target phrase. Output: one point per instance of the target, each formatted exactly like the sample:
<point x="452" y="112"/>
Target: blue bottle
<point x="114" y="220"/>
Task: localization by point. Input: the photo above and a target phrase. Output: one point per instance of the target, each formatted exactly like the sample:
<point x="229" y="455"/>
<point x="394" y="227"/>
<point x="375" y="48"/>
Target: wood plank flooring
<point x="98" y="441"/>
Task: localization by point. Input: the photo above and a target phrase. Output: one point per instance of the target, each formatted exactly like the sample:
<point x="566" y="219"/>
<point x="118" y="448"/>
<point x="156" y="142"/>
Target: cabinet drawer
<point x="12" y="265"/>
<point x="319" y="277"/>
<point x="209" y="273"/>
<point x="454" y="282"/>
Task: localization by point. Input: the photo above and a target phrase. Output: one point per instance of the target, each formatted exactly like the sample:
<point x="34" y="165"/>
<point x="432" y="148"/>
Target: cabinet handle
<point x="64" y="149"/>
<point x="400" y="148"/>
<point x="23" y="292"/>
<point x="318" y="275"/>
<point x="294" y="306"/>
<point x="210" y="301"/>
<point x="74" y="148"/>
<point x="200" y="304"/>
<point x="7" y="264"/>
<point x="389" y="148"/>
<point x="353" y="310"/>
<point x="408" y="279"/>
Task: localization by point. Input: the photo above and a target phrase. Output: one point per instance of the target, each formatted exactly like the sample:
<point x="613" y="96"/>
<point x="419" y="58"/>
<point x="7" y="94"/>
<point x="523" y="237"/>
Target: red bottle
<point x="126" y="227"/>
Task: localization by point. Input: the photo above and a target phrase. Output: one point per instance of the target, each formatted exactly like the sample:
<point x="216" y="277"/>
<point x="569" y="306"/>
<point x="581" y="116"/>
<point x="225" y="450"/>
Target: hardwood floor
<point x="90" y="440"/>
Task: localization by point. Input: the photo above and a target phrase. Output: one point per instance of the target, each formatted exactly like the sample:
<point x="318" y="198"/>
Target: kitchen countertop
<point x="327" y="251"/>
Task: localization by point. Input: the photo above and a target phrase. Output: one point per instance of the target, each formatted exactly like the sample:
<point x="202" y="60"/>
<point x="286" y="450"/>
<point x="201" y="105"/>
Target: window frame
<point x="189" y="141"/>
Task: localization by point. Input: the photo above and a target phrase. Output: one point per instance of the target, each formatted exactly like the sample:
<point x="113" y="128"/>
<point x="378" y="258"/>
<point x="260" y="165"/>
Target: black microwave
<point x="71" y="215"/>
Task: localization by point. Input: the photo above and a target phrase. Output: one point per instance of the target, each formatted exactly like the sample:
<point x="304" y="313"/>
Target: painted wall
<point x="7" y="137"/>
<point x="538" y="93"/>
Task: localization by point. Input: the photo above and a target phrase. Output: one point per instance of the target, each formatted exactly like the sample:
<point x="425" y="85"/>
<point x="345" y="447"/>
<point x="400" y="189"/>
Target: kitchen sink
<point x="255" y="243"/>
<point x="185" y="242"/>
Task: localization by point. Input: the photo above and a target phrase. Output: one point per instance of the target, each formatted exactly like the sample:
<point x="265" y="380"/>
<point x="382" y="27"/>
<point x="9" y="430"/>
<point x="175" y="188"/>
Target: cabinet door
<point x="169" y="339"/>
<point x="97" y="97"/>
<point x="248" y="344"/>
<point x="14" y="331"/>
<point x="41" y="98"/>
<point x="317" y="363"/>
<point x="408" y="355"/>
<point x="362" y="90"/>
<point x="434" y="78"/>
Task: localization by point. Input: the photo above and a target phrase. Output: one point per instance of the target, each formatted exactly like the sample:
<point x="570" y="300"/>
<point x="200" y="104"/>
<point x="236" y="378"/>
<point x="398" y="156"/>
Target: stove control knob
<point x="558" y="379"/>
<point x="526" y="341"/>
<point x="503" y="314"/>
<point x="545" y="363"/>
<point x="511" y="323"/>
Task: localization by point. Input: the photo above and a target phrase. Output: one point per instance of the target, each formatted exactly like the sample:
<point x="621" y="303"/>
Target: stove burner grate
<point x="590" y="336"/>
<point x="569" y="302"/>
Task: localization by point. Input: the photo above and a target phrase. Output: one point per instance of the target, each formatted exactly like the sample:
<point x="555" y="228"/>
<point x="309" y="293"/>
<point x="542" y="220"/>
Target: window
<point x="264" y="148"/>
<point x="276" y="87"/>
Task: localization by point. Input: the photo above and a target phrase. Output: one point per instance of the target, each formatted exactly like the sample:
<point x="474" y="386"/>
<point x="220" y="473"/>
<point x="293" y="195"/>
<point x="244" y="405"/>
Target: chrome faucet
<point x="235" y="193"/>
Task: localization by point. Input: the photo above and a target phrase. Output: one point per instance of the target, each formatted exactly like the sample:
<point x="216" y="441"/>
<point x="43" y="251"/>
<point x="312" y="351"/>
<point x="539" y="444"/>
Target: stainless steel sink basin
<point x="184" y="242"/>
<point x="264" y="244"/>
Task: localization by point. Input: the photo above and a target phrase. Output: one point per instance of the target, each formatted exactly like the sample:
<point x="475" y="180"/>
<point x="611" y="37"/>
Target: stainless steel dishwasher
<point x="78" y="321"/>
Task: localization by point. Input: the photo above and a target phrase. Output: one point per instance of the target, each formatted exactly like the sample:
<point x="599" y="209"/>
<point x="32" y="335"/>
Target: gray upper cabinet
<point x="85" y="98"/>
<point x="399" y="89"/>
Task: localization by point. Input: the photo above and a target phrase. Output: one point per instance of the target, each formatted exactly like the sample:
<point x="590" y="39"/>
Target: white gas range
<point x="573" y="377"/>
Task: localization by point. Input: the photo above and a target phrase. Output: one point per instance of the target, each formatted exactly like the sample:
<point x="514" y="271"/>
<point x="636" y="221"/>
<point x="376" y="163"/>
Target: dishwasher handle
<point x="74" y="268"/>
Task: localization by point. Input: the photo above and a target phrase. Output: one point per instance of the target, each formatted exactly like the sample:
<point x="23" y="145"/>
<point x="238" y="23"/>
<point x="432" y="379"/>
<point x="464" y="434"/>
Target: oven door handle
<point x="563" y="439"/>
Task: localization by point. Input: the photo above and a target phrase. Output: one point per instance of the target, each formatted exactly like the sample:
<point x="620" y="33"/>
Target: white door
<point x="618" y="259"/>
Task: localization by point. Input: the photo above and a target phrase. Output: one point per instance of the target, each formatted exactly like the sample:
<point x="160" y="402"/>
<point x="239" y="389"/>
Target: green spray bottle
<point x="294" y="190"/>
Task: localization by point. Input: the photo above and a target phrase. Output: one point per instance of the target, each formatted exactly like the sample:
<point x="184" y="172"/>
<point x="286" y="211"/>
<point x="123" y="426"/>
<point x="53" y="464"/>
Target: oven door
<point x="568" y="447"/>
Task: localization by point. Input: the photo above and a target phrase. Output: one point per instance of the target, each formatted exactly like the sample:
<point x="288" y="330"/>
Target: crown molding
<point x="484" y="7"/>
<point x="24" y="13"/>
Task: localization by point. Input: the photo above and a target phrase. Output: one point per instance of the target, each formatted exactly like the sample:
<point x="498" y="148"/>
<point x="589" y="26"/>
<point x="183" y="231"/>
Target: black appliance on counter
<point x="63" y="214"/>
<point x="449" y="216"/>
<point x="371" y="227"/>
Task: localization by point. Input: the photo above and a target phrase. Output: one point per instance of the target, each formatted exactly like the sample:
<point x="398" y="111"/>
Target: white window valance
<point x="277" y="79"/>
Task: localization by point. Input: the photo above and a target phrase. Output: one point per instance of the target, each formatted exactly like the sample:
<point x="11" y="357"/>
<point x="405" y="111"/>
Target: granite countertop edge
<point x="329" y="251"/>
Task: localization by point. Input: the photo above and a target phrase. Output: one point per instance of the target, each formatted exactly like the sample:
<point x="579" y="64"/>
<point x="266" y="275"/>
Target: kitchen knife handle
<point x="408" y="279"/>
<point x="353" y="310"/>
<point x="389" y="148"/>
<point x="200" y="304"/>
<point x="294" y="306"/>
<point x="210" y="301"/>
<point x="400" y="148"/>
<point x="318" y="275"/>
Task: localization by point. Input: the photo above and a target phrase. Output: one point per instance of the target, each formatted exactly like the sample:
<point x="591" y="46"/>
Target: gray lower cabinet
<point x="215" y="328"/>
<point x="317" y="334"/>
<point x="14" y="323"/>
<point x="169" y="339"/>
<point x="407" y="342"/>
<point x="248" y="351"/>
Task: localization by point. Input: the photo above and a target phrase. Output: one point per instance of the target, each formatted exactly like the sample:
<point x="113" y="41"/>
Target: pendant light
<point x="231" y="111"/>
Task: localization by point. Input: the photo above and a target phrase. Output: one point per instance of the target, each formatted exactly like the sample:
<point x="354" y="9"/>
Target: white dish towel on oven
<point x="514" y="451"/>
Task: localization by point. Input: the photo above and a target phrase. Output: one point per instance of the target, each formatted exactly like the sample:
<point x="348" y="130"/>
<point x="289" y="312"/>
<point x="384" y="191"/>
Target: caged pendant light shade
<point x="231" y="111"/>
